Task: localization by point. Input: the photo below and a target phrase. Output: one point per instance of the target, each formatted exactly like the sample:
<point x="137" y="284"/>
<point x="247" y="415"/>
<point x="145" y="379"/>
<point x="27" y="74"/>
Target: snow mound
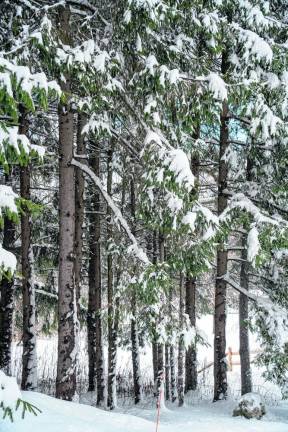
<point x="250" y="406"/>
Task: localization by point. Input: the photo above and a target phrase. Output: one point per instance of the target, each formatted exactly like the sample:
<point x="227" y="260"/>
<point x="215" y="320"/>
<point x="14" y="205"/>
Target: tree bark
<point x="94" y="319"/>
<point x="29" y="356"/>
<point x="181" y="346"/>
<point x="173" y="375"/>
<point x="167" y="373"/>
<point x="112" y="308"/>
<point x="190" y="297"/>
<point x="191" y="353"/>
<point x="67" y="310"/>
<point x="246" y="378"/>
<point x="160" y="345"/>
<point x="79" y="210"/>
<point x="220" y="369"/>
<point x="6" y="303"/>
<point x="246" y="382"/>
<point x="134" y="322"/>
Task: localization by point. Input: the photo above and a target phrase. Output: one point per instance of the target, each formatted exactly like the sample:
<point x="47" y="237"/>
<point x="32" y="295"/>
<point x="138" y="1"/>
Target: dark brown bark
<point x="6" y="303"/>
<point x="67" y="310"/>
<point x="246" y="378"/>
<point x="173" y="375"/>
<point x="79" y="210"/>
<point x="134" y="322"/>
<point x="181" y="346"/>
<point x="112" y="307"/>
<point x="191" y="353"/>
<point x="29" y="360"/>
<point x="94" y="319"/>
<point x="246" y="382"/>
<point x="190" y="295"/>
<point x="220" y="369"/>
<point x="167" y="373"/>
<point x="160" y="345"/>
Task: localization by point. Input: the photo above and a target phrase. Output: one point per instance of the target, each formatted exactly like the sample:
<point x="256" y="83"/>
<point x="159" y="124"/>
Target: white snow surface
<point x="62" y="416"/>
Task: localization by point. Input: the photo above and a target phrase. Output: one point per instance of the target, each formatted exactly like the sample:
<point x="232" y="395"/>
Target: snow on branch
<point x="134" y="248"/>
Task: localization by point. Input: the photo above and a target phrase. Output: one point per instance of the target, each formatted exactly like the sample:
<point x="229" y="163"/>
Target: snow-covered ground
<point x="47" y="358"/>
<point x="60" y="416"/>
<point x="199" y="414"/>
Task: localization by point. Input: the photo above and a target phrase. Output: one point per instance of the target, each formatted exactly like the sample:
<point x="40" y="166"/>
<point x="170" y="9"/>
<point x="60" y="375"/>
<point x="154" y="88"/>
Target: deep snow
<point x="60" y="416"/>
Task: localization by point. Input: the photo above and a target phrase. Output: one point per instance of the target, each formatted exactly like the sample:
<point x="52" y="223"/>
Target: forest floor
<point x="60" y="416"/>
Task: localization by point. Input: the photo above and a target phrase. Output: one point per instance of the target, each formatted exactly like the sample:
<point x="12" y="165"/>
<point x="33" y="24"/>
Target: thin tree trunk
<point x="94" y="319"/>
<point x="191" y="353"/>
<point x="246" y="382"/>
<point x="173" y="375"/>
<point x="154" y="342"/>
<point x="167" y="373"/>
<point x="246" y="378"/>
<point x="220" y="369"/>
<point x="79" y="210"/>
<point x="67" y="310"/>
<point x="160" y="345"/>
<point x="29" y="358"/>
<point x="112" y="324"/>
<point x="181" y="347"/>
<point x="190" y="298"/>
<point x="6" y="303"/>
<point x="134" y="322"/>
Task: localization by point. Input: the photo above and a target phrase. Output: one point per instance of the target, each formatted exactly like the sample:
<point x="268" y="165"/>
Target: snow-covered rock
<point x="250" y="406"/>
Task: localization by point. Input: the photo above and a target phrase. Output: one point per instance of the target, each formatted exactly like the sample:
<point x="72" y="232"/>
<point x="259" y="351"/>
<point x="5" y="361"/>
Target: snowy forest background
<point x="143" y="171"/>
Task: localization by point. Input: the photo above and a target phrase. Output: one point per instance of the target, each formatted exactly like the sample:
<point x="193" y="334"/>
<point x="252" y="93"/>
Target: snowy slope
<point x="60" y="416"/>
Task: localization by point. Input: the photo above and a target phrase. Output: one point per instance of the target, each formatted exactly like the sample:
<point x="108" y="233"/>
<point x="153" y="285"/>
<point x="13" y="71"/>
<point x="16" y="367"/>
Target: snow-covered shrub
<point x="9" y="395"/>
<point x="250" y="406"/>
<point x="10" y="398"/>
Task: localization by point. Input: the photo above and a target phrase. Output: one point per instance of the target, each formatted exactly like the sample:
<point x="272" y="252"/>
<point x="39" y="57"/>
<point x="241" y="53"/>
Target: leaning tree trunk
<point x="6" y="303"/>
<point x="220" y="369"/>
<point x="94" y="318"/>
<point x="29" y="358"/>
<point x="191" y="353"/>
<point x="67" y="310"/>
<point x="134" y="321"/>
<point x="181" y="347"/>
<point x="112" y="314"/>
<point x="79" y="210"/>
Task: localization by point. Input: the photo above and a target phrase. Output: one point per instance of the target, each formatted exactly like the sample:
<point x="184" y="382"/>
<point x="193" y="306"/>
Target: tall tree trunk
<point x="29" y="357"/>
<point x="181" y="347"/>
<point x="79" y="209"/>
<point x="173" y="375"/>
<point x="67" y="310"/>
<point x="134" y="322"/>
<point x="6" y="303"/>
<point x="191" y="353"/>
<point x="246" y="382"/>
<point x="112" y="313"/>
<point x="160" y="345"/>
<point x="154" y="342"/>
<point x="190" y="298"/>
<point x="167" y="373"/>
<point x="94" y="319"/>
<point x="246" y="378"/>
<point x="220" y="369"/>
